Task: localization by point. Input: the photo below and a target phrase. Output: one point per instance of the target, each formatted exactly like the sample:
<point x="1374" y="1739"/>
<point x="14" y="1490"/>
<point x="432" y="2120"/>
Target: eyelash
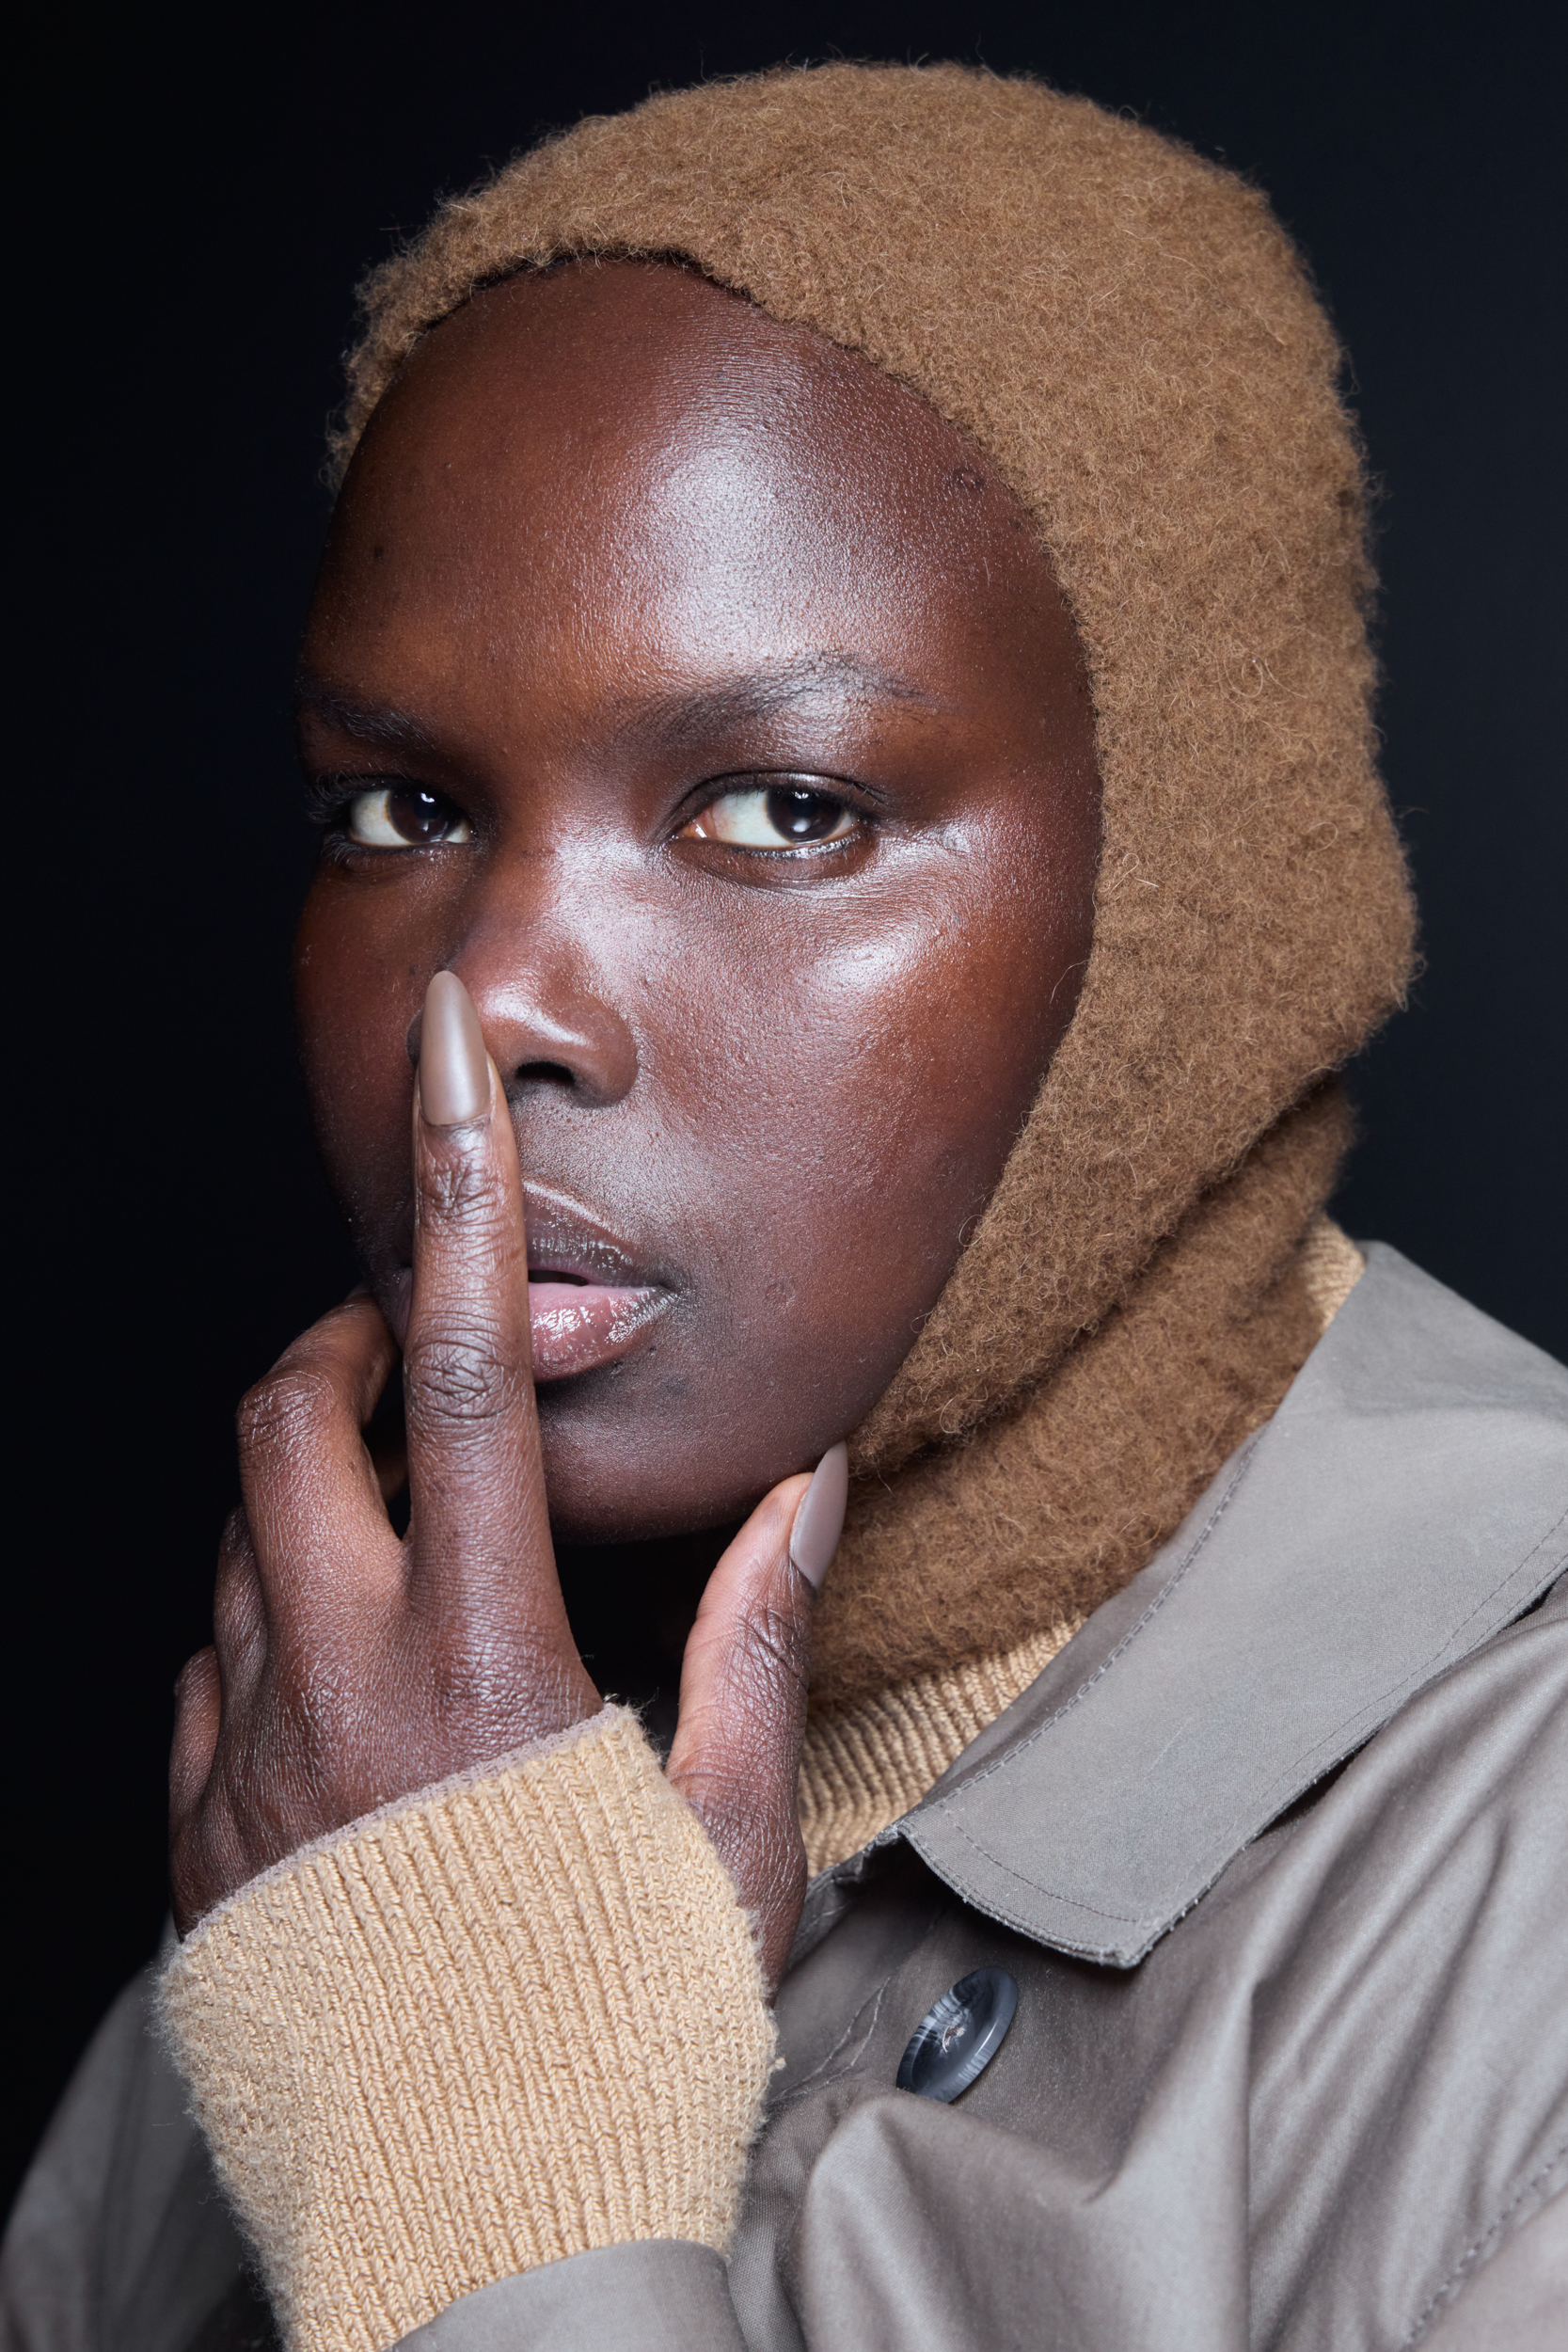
<point x="766" y="790"/>
<point x="331" y="800"/>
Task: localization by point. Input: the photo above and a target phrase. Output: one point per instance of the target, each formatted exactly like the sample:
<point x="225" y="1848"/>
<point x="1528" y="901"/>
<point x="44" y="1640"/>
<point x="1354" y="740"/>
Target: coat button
<point x="955" y="2043"/>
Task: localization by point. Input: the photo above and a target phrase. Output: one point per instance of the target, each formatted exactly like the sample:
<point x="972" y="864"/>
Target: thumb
<point x="736" y="1753"/>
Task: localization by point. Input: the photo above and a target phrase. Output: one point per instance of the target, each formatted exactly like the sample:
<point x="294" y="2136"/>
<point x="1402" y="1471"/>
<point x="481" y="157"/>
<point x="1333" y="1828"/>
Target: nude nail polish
<point x="819" y="1518"/>
<point x="454" y="1068"/>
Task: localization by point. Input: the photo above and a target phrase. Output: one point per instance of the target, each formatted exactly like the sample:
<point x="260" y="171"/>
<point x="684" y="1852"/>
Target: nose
<point x="549" y="1019"/>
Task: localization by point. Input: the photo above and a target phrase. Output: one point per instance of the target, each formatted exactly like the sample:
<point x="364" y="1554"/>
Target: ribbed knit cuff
<point x="512" y="2018"/>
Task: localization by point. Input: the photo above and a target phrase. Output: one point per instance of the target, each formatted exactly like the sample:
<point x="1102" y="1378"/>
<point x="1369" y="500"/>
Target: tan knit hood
<point x="1130" y="339"/>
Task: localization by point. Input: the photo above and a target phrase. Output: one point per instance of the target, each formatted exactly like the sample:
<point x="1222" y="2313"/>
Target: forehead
<point x="629" y="442"/>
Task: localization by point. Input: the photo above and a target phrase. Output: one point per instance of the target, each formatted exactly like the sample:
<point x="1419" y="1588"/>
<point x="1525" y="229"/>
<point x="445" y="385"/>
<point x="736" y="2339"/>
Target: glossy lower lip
<point x="578" y="1327"/>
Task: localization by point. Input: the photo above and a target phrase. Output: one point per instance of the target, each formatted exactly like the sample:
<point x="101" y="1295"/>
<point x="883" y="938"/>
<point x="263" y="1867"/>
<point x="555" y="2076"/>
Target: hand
<point x="350" y="1667"/>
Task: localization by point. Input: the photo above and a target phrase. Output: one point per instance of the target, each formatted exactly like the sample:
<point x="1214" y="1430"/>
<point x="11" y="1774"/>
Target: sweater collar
<point x="1404" y="1504"/>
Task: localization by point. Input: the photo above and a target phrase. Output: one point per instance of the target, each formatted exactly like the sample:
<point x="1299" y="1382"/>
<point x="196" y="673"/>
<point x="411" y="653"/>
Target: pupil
<point x="418" y="816"/>
<point x="800" y="816"/>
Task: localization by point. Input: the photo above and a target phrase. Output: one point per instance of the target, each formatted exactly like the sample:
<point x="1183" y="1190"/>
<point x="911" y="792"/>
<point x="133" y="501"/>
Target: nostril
<point x="544" y="1073"/>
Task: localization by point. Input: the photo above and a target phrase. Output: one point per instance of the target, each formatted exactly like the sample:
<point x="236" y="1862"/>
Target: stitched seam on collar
<point x="1415" y="1679"/>
<point x="1028" y="1739"/>
<point x="1074" y="1902"/>
<point x="1225" y="1845"/>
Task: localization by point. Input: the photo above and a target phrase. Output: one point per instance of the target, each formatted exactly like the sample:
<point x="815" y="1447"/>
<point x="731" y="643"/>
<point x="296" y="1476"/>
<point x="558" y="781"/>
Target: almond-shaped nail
<point x="819" y="1518"/>
<point x="454" y="1068"/>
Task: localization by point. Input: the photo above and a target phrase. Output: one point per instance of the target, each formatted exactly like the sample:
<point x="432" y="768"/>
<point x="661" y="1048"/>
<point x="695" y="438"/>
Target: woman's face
<point x="696" y="694"/>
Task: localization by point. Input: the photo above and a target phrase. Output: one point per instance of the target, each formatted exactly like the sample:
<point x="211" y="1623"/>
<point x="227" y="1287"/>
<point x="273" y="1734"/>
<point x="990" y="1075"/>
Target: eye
<point x="402" y="817"/>
<point x="773" y="817"/>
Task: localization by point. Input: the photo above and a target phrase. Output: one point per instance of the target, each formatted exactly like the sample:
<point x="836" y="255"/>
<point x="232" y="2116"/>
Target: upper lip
<point x="567" y="1239"/>
<point x="564" y="1238"/>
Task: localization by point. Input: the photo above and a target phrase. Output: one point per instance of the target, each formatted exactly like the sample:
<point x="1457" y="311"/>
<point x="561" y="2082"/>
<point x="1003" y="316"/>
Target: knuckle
<point x="771" y="1653"/>
<point x="292" y="1408"/>
<point x="459" y="1186"/>
<point x="459" y="1378"/>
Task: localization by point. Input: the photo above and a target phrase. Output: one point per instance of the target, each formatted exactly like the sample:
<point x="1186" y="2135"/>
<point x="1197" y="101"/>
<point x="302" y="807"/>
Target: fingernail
<point x="454" y="1068"/>
<point x="819" y="1520"/>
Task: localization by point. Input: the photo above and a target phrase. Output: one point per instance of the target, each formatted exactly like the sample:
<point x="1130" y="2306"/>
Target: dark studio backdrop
<point x="202" y="195"/>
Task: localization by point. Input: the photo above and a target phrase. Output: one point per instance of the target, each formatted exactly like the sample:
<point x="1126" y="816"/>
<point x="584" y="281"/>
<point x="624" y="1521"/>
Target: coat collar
<point x="1407" y="1501"/>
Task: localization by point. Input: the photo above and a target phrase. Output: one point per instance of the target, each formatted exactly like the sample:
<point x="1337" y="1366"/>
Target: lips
<point x="589" y="1300"/>
<point x="578" y="1325"/>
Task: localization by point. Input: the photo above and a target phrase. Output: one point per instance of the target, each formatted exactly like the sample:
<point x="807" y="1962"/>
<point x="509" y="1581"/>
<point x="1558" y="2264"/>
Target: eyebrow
<point x="382" y="725"/>
<point x="673" y="717"/>
<point x="780" y="685"/>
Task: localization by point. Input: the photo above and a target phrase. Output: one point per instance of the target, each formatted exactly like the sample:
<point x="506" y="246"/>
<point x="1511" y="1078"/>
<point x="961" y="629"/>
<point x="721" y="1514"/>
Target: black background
<point x="202" y="195"/>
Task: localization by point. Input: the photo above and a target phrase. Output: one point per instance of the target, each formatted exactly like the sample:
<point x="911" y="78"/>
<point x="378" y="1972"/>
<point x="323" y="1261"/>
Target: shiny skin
<point x="616" y="543"/>
<point x="601" y="521"/>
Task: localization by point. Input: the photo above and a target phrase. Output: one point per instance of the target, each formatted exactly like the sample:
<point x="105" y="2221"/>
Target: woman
<point x="837" y="697"/>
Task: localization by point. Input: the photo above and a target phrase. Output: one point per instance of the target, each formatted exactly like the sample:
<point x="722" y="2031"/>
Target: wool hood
<point x="1129" y="337"/>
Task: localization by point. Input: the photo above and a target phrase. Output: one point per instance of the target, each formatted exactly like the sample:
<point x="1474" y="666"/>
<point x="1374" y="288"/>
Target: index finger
<point x="481" y="1536"/>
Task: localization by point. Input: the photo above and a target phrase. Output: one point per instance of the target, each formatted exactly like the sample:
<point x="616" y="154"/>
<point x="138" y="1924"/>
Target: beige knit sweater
<point x="511" y="2018"/>
<point x="519" y="2015"/>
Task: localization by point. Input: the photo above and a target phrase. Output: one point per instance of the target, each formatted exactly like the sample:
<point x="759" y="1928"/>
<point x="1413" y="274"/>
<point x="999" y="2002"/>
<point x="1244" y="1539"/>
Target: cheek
<point x="856" y="1094"/>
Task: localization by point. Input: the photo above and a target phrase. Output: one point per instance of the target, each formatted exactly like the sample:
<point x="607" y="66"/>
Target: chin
<point x="629" y="1479"/>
